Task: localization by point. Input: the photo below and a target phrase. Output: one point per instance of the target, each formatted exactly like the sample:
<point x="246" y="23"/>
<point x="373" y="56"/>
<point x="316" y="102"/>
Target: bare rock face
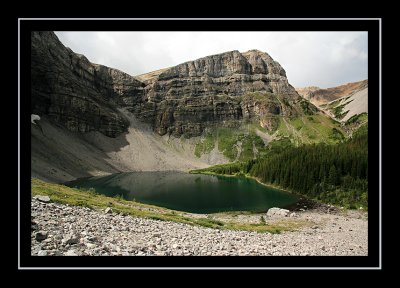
<point x="75" y="93"/>
<point x="221" y="89"/>
<point x="215" y="90"/>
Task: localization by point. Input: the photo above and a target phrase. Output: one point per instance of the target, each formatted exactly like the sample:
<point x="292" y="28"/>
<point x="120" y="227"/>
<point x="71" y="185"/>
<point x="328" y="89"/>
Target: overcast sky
<point x="323" y="59"/>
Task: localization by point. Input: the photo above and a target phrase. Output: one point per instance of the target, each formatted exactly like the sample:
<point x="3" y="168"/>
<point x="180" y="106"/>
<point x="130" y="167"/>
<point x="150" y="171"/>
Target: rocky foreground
<point x="73" y="231"/>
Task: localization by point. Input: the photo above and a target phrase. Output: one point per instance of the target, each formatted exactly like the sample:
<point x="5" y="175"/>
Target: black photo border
<point x="372" y="261"/>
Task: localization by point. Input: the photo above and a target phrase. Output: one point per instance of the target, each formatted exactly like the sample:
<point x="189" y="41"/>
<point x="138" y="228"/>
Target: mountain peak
<point x="254" y="51"/>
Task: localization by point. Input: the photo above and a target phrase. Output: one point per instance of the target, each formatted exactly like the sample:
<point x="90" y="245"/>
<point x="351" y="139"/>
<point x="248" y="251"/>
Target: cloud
<point x="322" y="59"/>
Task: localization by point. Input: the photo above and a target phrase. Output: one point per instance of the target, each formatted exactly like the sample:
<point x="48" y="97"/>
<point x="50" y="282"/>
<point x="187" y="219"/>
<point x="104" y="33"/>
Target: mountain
<point x="319" y="96"/>
<point x="225" y="107"/>
<point x="346" y="103"/>
<point x="348" y="106"/>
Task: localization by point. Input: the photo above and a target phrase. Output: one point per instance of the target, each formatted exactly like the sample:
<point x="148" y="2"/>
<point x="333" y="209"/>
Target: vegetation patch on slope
<point x="310" y="129"/>
<point x="236" y="144"/>
<point x="357" y="119"/>
<point x="206" y="145"/>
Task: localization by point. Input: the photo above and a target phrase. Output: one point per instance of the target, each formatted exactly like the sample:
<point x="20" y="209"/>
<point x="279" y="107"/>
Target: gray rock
<point x="41" y="235"/>
<point x="108" y="210"/>
<point x="92" y="238"/>
<point x="34" y="225"/>
<point x="41" y="198"/>
<point x="70" y="239"/>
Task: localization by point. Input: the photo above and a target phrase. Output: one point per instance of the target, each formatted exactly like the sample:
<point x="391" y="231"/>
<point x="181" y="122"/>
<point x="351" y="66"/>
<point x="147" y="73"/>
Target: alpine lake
<point x="195" y="193"/>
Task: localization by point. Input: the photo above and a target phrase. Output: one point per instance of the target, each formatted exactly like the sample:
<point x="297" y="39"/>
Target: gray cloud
<point x="322" y="59"/>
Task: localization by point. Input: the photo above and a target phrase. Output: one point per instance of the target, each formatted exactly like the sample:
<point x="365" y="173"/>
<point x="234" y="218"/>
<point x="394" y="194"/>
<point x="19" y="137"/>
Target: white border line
<point x="198" y="19"/>
<point x="19" y="148"/>
<point x="380" y="143"/>
<point x="209" y="268"/>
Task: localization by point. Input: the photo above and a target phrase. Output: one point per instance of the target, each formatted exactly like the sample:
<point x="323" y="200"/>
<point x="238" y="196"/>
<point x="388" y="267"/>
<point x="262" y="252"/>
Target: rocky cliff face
<point x="75" y="93"/>
<point x="214" y="90"/>
<point x="221" y="89"/>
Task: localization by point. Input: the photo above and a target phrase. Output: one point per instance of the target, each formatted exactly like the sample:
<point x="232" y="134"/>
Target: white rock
<point x="70" y="253"/>
<point x="41" y="198"/>
<point x="278" y="212"/>
<point x="42" y="253"/>
<point x="90" y="245"/>
<point x="34" y="118"/>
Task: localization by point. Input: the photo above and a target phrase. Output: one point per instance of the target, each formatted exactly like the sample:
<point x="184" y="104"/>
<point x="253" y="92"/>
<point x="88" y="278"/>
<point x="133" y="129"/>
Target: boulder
<point x="41" y="235"/>
<point x="278" y="212"/>
<point x="41" y="198"/>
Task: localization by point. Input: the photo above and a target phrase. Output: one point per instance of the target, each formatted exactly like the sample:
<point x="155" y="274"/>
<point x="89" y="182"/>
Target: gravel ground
<point x="67" y="230"/>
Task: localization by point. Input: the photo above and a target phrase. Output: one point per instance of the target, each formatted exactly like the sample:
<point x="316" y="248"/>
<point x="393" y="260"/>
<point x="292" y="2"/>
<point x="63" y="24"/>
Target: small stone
<point x="175" y="246"/>
<point x="108" y="210"/>
<point x="41" y="235"/>
<point x="70" y="239"/>
<point x="34" y="225"/>
<point x="90" y="245"/>
<point x="41" y="198"/>
<point x="293" y="214"/>
<point x="92" y="238"/>
<point x="42" y="253"/>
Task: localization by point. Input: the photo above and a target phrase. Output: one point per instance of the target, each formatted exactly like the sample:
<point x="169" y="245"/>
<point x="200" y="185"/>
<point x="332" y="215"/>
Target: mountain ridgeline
<point x="181" y="100"/>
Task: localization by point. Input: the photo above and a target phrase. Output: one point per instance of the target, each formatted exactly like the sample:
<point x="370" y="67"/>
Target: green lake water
<point x="194" y="193"/>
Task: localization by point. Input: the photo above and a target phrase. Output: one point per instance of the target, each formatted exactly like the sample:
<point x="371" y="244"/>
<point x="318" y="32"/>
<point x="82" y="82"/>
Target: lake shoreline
<point x="197" y="193"/>
<point x="304" y="202"/>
